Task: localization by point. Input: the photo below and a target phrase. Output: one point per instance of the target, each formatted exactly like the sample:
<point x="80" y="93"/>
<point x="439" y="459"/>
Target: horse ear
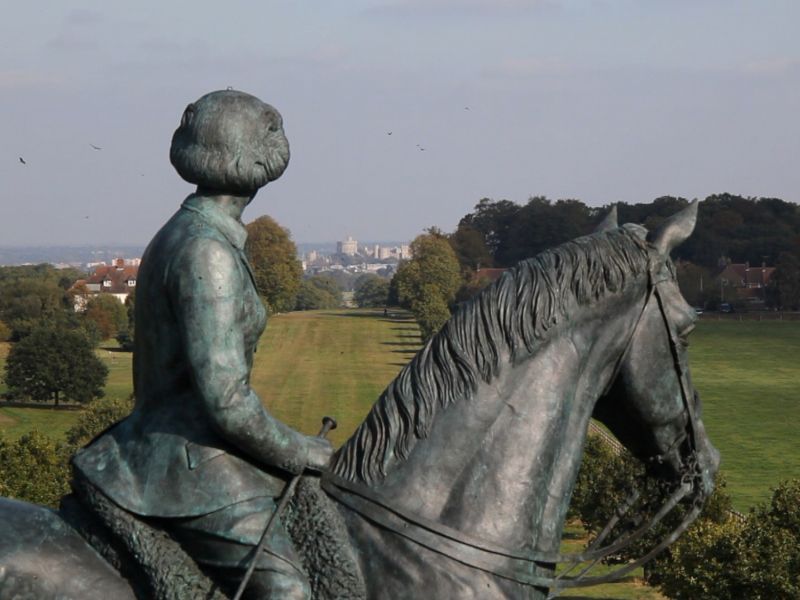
<point x="609" y="221"/>
<point x="675" y="230"/>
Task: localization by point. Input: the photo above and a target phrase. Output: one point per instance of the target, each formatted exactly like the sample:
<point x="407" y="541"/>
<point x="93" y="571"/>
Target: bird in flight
<point x="22" y="160"/>
<point x="95" y="147"/>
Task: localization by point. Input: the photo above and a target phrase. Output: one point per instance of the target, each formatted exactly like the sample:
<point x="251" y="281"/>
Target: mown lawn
<point x="316" y="363"/>
<point x="748" y="375"/>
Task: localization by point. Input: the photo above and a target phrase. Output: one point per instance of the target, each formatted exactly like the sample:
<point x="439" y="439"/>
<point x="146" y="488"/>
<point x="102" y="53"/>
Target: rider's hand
<point x="320" y="451"/>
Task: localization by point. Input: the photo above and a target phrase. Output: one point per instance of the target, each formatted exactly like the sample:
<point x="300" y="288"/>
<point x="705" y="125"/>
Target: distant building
<point x="747" y="282"/>
<point x="348" y="247"/>
<point x="117" y="279"/>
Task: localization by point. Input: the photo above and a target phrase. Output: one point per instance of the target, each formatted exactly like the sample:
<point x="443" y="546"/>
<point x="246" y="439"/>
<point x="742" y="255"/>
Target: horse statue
<point x="457" y="483"/>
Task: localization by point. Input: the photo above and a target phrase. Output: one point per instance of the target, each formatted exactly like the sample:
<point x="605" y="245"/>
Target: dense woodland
<point x="729" y="228"/>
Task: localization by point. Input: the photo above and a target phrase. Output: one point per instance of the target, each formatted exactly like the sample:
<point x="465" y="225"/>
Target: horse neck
<point x="501" y="466"/>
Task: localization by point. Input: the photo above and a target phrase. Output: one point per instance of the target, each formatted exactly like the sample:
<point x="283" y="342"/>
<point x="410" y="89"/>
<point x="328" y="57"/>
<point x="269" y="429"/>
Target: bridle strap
<point x="480" y="554"/>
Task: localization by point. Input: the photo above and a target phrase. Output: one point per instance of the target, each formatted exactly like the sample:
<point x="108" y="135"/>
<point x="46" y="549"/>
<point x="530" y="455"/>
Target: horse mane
<point x="511" y="317"/>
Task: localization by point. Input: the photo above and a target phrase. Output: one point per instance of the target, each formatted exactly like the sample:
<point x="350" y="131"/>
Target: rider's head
<point x="231" y="142"/>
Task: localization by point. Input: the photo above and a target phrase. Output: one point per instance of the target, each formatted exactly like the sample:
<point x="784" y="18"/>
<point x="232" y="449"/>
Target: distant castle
<point x="349" y="247"/>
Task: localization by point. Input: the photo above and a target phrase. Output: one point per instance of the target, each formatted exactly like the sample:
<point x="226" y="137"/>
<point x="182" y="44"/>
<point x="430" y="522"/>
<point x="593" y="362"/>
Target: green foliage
<point x="786" y="281"/>
<point x="125" y="336"/>
<point x="427" y="284"/>
<point x="54" y="362"/>
<point x="273" y="257"/>
<point x="371" y="291"/>
<point x="33" y="469"/>
<point x="470" y="248"/>
<point x="318" y="292"/>
<point x="607" y="477"/>
<point x="431" y="310"/>
<point x="98" y="416"/>
<point x="696" y="284"/>
<point x="108" y="315"/>
<point x="757" y="559"/>
<point x="26" y="301"/>
<point x="743" y="229"/>
<point x="699" y="561"/>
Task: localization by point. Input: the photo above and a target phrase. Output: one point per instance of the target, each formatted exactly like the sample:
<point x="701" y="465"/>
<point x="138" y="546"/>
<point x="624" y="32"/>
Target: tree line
<point x="500" y="233"/>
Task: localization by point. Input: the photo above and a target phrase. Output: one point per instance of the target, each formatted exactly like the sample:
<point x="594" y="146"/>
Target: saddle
<point x="158" y="568"/>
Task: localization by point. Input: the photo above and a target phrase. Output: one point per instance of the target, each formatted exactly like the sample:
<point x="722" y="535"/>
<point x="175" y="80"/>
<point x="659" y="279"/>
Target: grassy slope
<point x="747" y="373"/>
<point x="311" y="364"/>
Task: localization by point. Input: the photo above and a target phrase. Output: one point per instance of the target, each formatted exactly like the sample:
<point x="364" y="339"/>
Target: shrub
<point x="33" y="469"/>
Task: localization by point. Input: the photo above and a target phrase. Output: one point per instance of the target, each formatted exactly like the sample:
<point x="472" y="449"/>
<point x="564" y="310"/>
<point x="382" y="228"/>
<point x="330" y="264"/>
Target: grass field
<point x="748" y="375"/>
<point x="316" y="363"/>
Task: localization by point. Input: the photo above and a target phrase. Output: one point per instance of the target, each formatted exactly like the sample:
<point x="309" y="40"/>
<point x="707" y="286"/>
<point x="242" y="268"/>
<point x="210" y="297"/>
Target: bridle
<point x="521" y="566"/>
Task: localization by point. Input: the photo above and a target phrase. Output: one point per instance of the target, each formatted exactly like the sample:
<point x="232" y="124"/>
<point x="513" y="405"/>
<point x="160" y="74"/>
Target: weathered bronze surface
<point x="457" y="483"/>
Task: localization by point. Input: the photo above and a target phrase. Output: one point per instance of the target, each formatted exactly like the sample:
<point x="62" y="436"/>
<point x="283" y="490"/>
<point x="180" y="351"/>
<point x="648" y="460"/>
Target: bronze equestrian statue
<point x="457" y="483"/>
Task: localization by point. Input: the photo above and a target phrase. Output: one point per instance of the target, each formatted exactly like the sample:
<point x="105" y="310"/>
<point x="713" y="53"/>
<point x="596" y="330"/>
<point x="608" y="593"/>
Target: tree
<point x="493" y="219"/>
<point x="27" y="301"/>
<point x="125" y="336"/>
<point x="54" y="362"/>
<point x="786" y="281"/>
<point x="318" y="292"/>
<point x="470" y="248"/>
<point x="427" y="284"/>
<point x="108" y="314"/>
<point x="430" y="310"/>
<point x="371" y="291"/>
<point x="696" y="283"/>
<point x="273" y="257"/>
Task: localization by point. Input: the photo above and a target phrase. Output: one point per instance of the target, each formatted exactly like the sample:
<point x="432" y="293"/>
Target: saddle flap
<point x="197" y="454"/>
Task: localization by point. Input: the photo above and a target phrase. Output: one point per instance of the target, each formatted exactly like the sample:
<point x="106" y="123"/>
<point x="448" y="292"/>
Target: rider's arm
<point x="207" y="287"/>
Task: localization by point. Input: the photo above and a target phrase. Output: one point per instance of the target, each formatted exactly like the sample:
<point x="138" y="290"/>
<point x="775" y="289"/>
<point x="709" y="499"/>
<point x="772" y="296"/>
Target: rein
<point x="522" y="566"/>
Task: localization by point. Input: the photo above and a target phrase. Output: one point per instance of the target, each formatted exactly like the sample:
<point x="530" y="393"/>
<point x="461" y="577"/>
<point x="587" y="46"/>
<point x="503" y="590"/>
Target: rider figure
<point x="200" y="452"/>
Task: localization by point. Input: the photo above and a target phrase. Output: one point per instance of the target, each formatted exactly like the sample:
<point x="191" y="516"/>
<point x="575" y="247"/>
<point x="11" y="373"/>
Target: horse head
<point x="651" y="404"/>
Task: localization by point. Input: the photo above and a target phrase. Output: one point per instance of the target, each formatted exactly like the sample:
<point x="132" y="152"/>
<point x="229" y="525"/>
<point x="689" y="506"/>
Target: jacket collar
<point x="211" y="213"/>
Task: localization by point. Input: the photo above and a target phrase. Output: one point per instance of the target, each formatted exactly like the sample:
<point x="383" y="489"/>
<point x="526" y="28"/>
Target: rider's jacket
<point x="198" y="438"/>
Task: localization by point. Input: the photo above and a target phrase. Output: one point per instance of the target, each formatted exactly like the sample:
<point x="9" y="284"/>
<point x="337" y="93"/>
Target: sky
<point x="401" y="114"/>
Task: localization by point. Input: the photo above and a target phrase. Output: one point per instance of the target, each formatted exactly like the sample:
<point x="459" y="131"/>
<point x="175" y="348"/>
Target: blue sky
<point x="601" y="100"/>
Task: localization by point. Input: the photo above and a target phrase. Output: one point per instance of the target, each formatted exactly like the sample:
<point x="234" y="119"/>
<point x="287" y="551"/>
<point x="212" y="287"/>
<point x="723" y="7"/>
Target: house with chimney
<point x="117" y="279"/>
<point x="745" y="282"/>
